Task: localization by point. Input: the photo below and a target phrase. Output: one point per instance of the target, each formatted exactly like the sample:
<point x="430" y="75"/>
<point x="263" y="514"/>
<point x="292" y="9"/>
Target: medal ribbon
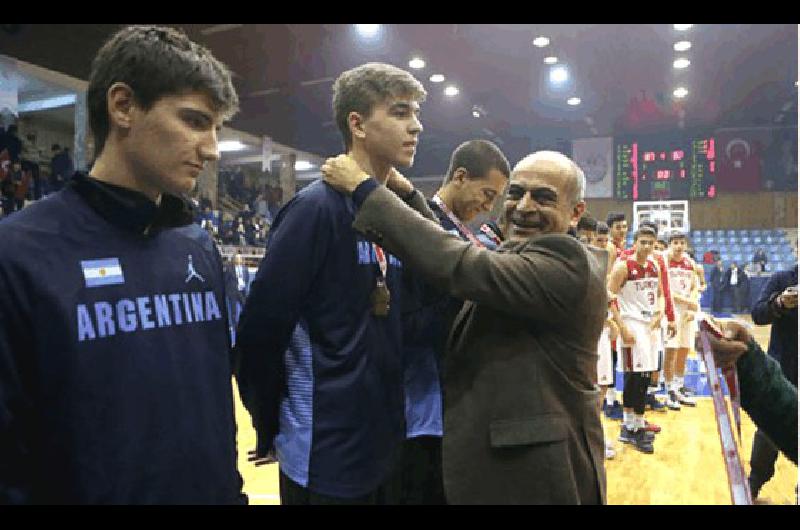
<point x="466" y="232"/>
<point x="490" y="234"/>
<point x="737" y="481"/>
<point x="381" y="261"/>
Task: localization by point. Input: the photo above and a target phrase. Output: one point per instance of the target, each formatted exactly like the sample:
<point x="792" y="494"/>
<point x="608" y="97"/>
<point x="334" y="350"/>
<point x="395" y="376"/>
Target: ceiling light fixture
<point x="550" y="60"/>
<point x="574" y="101"/>
<point x="303" y="165"/>
<point x="437" y="78"/>
<point x="559" y="74"/>
<point x="682" y="46"/>
<point x="451" y="91"/>
<point x="680" y="92"/>
<point x="47" y="103"/>
<point x="681" y="63"/>
<point x="416" y="63"/>
<point x="682" y="27"/>
<point x="368" y="30"/>
<point x="541" y="42"/>
<point x="231" y="145"/>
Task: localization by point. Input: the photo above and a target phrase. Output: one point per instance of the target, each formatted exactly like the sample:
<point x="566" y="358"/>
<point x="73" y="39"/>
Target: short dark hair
<point x="602" y="228"/>
<point x="155" y="62"/>
<point x="587" y="222"/>
<point x="644" y="230"/>
<point x="361" y="88"/>
<point x="650" y="224"/>
<point x="677" y="235"/>
<point x="614" y="217"/>
<point x="478" y="157"/>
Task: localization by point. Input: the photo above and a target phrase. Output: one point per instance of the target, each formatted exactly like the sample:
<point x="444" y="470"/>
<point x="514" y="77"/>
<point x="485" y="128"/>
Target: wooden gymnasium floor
<point x="686" y="468"/>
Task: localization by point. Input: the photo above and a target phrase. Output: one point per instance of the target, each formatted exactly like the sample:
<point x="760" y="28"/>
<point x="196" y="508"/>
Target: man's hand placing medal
<point x="343" y="173"/>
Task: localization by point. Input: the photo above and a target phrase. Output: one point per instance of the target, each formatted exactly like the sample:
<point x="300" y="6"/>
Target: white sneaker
<point x="610" y="452"/>
<point x="686" y="400"/>
<point x="672" y="402"/>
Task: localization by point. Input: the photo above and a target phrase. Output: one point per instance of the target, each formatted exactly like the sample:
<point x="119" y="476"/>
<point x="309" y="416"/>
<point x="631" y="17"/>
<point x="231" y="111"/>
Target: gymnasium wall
<point x="727" y="210"/>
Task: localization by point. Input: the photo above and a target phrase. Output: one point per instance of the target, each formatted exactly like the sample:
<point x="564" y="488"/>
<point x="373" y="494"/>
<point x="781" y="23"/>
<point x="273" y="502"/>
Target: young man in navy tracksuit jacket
<point x="115" y="372"/>
<point x="319" y="345"/>
<point x="477" y="174"/>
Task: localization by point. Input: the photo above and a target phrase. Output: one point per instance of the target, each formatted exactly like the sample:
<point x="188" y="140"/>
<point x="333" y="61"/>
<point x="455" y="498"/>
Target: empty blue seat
<point x="758" y="241"/>
<point x="745" y="240"/>
<point x="730" y="232"/>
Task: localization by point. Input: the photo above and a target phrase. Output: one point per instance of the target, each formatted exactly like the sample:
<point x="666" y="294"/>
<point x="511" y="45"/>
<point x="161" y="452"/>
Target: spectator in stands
<point x="717" y="281"/>
<point x="12" y="143"/>
<point x="776" y="305"/>
<point x="7" y="194"/>
<point x="61" y="167"/>
<point x="229" y="234"/>
<point x="709" y="257"/>
<point x="261" y="207"/>
<point x="760" y="259"/>
<point x="274" y="200"/>
<point x="205" y="202"/>
<point x="737" y="282"/>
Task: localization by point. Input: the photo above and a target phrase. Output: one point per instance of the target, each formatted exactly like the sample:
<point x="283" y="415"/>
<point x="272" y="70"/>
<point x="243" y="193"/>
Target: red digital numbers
<point x="649" y="156"/>
<point x="663" y="174"/>
<point x="677" y="155"/>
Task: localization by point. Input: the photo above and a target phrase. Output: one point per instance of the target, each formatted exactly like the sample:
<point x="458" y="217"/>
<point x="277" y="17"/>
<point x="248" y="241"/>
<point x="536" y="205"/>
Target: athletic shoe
<point x="686" y="400"/>
<point x="651" y="427"/>
<point x="614" y="412"/>
<point x="686" y="391"/>
<point x="638" y="439"/>
<point x="672" y="401"/>
<point x="610" y="452"/>
<point x="652" y="402"/>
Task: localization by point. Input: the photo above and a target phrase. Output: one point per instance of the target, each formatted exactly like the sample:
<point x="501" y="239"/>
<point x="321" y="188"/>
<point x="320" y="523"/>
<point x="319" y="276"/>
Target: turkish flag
<point x="740" y="154"/>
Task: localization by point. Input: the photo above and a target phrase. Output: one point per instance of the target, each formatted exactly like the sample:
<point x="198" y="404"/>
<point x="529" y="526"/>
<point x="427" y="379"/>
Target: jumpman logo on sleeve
<point x="193" y="273"/>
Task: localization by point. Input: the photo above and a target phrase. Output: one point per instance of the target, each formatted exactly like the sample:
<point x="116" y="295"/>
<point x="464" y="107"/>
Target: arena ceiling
<point x="740" y="75"/>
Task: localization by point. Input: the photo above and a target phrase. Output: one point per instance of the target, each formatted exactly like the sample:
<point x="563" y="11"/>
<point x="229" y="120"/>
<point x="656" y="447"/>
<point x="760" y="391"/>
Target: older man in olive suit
<point x="521" y="424"/>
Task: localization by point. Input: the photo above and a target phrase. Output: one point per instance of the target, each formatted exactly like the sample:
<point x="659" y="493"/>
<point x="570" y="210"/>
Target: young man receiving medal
<point x="320" y="365"/>
<point x="475" y="179"/>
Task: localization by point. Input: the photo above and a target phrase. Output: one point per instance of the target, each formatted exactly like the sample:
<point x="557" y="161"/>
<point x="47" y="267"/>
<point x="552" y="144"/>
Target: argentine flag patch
<point x="100" y="272"/>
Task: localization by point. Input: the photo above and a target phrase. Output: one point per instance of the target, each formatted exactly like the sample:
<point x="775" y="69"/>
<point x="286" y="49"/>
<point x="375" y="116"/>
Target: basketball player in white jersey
<point x="605" y="360"/>
<point x="635" y="282"/>
<point x="684" y="284"/>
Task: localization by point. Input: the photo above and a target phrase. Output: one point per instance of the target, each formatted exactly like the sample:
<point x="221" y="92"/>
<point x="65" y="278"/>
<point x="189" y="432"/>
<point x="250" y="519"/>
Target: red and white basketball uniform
<point x="605" y="360"/>
<point x="638" y="302"/>
<point x="681" y="276"/>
